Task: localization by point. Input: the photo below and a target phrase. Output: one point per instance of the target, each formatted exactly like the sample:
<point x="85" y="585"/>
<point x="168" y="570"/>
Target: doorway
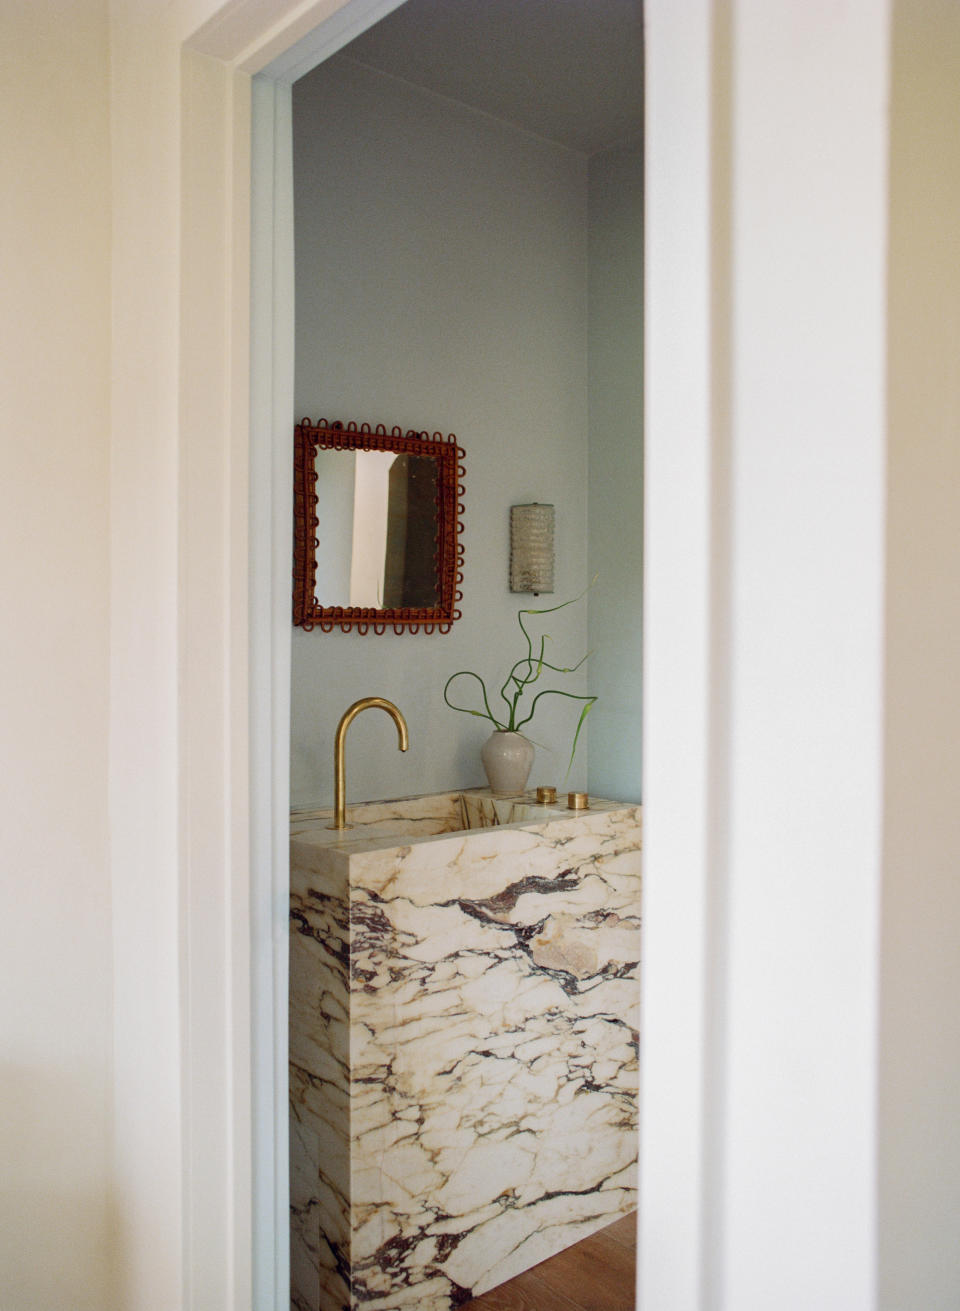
<point x="231" y="940"/>
<point x="592" y="436"/>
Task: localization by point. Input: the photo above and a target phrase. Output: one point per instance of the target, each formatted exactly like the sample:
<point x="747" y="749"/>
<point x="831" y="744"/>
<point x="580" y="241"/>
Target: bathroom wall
<point x="615" y="510"/>
<point x="441" y="284"/>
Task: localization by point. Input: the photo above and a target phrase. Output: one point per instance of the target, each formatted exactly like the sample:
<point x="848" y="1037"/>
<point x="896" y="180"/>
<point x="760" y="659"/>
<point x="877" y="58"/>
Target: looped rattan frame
<point x="337" y="436"/>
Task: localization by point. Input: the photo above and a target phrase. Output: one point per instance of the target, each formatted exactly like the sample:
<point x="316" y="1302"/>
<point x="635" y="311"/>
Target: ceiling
<point x="568" y="70"/>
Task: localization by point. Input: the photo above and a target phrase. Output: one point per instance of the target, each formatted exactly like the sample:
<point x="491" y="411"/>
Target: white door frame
<point x="215" y="1138"/>
<point x="257" y="226"/>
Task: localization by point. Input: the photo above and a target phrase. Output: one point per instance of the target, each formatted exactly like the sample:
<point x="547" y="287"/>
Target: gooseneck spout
<point x="339" y="778"/>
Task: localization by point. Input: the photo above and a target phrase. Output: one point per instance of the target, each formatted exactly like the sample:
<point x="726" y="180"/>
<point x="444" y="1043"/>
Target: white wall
<point x="441" y="284"/>
<point x="615" y="512"/>
<point x="919" y="1089"/>
<point x="56" y="1220"/>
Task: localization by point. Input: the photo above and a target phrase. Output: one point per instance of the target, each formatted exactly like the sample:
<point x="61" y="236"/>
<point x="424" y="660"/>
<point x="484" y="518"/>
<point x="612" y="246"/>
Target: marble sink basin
<point x="464" y="1029"/>
<point x="430" y="816"/>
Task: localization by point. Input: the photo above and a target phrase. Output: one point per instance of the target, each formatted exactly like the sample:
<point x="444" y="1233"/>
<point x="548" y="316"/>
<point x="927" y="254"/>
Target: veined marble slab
<point x="463" y="1043"/>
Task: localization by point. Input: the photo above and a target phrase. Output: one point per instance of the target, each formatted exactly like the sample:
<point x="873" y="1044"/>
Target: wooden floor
<point x="595" y="1275"/>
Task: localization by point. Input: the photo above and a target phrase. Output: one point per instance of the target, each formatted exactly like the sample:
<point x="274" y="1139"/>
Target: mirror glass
<point x="378" y="511"/>
<point x="377" y="522"/>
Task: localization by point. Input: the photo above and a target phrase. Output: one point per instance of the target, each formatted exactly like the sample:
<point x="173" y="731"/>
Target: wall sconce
<point x="531" y="548"/>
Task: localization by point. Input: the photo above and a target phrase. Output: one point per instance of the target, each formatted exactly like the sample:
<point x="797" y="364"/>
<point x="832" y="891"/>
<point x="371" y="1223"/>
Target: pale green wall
<point x="441" y="283"/>
<point x="615" y="510"/>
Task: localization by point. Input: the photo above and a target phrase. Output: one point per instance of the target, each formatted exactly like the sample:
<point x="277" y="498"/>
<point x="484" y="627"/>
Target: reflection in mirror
<point x="379" y="512"/>
<point x="377" y="521"/>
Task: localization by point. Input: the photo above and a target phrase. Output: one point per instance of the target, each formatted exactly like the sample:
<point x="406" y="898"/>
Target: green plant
<point x="521" y="679"/>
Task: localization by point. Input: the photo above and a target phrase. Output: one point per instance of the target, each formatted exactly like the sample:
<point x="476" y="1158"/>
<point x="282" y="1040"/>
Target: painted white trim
<point x="679" y="676"/>
<point x="763" y="682"/>
<point x="271" y="499"/>
<point x="332" y="35"/>
<point x="290" y="41"/>
<point x="212" y="778"/>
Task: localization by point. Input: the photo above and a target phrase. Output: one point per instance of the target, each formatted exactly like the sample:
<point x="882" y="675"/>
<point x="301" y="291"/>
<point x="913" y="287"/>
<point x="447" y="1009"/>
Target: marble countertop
<point x="381" y="825"/>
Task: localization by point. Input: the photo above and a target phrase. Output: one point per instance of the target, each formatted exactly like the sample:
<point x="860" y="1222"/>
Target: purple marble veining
<point x="464" y="1012"/>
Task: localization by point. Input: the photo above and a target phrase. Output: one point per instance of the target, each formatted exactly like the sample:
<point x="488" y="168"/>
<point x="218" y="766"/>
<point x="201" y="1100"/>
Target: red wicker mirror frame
<point x="308" y="612"/>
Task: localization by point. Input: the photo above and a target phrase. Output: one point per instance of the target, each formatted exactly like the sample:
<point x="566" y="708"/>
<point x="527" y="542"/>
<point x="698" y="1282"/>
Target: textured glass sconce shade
<point x="531" y="548"/>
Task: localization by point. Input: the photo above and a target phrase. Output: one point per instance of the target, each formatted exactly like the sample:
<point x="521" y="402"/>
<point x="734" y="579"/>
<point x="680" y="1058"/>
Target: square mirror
<point x="377" y="523"/>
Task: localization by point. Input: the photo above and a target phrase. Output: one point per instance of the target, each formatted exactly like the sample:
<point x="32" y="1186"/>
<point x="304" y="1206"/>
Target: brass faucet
<point x="339" y="779"/>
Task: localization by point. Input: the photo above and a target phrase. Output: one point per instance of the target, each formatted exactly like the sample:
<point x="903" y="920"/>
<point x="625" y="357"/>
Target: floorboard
<point x="596" y="1274"/>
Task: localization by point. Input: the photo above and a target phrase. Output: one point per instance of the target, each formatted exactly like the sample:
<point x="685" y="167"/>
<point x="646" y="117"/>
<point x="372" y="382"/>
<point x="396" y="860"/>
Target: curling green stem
<point x="524" y="673"/>
<point x="487" y="713"/>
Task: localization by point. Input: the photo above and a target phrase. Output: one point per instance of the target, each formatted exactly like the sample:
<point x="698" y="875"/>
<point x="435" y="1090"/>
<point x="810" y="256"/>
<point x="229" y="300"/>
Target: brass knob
<point x="546" y="796"/>
<point x="578" y="801"/>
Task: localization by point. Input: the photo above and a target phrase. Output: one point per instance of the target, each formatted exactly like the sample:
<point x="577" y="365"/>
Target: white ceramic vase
<point x="507" y="758"/>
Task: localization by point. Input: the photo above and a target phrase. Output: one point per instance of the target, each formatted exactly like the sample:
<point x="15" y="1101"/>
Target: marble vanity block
<point x="464" y="1011"/>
